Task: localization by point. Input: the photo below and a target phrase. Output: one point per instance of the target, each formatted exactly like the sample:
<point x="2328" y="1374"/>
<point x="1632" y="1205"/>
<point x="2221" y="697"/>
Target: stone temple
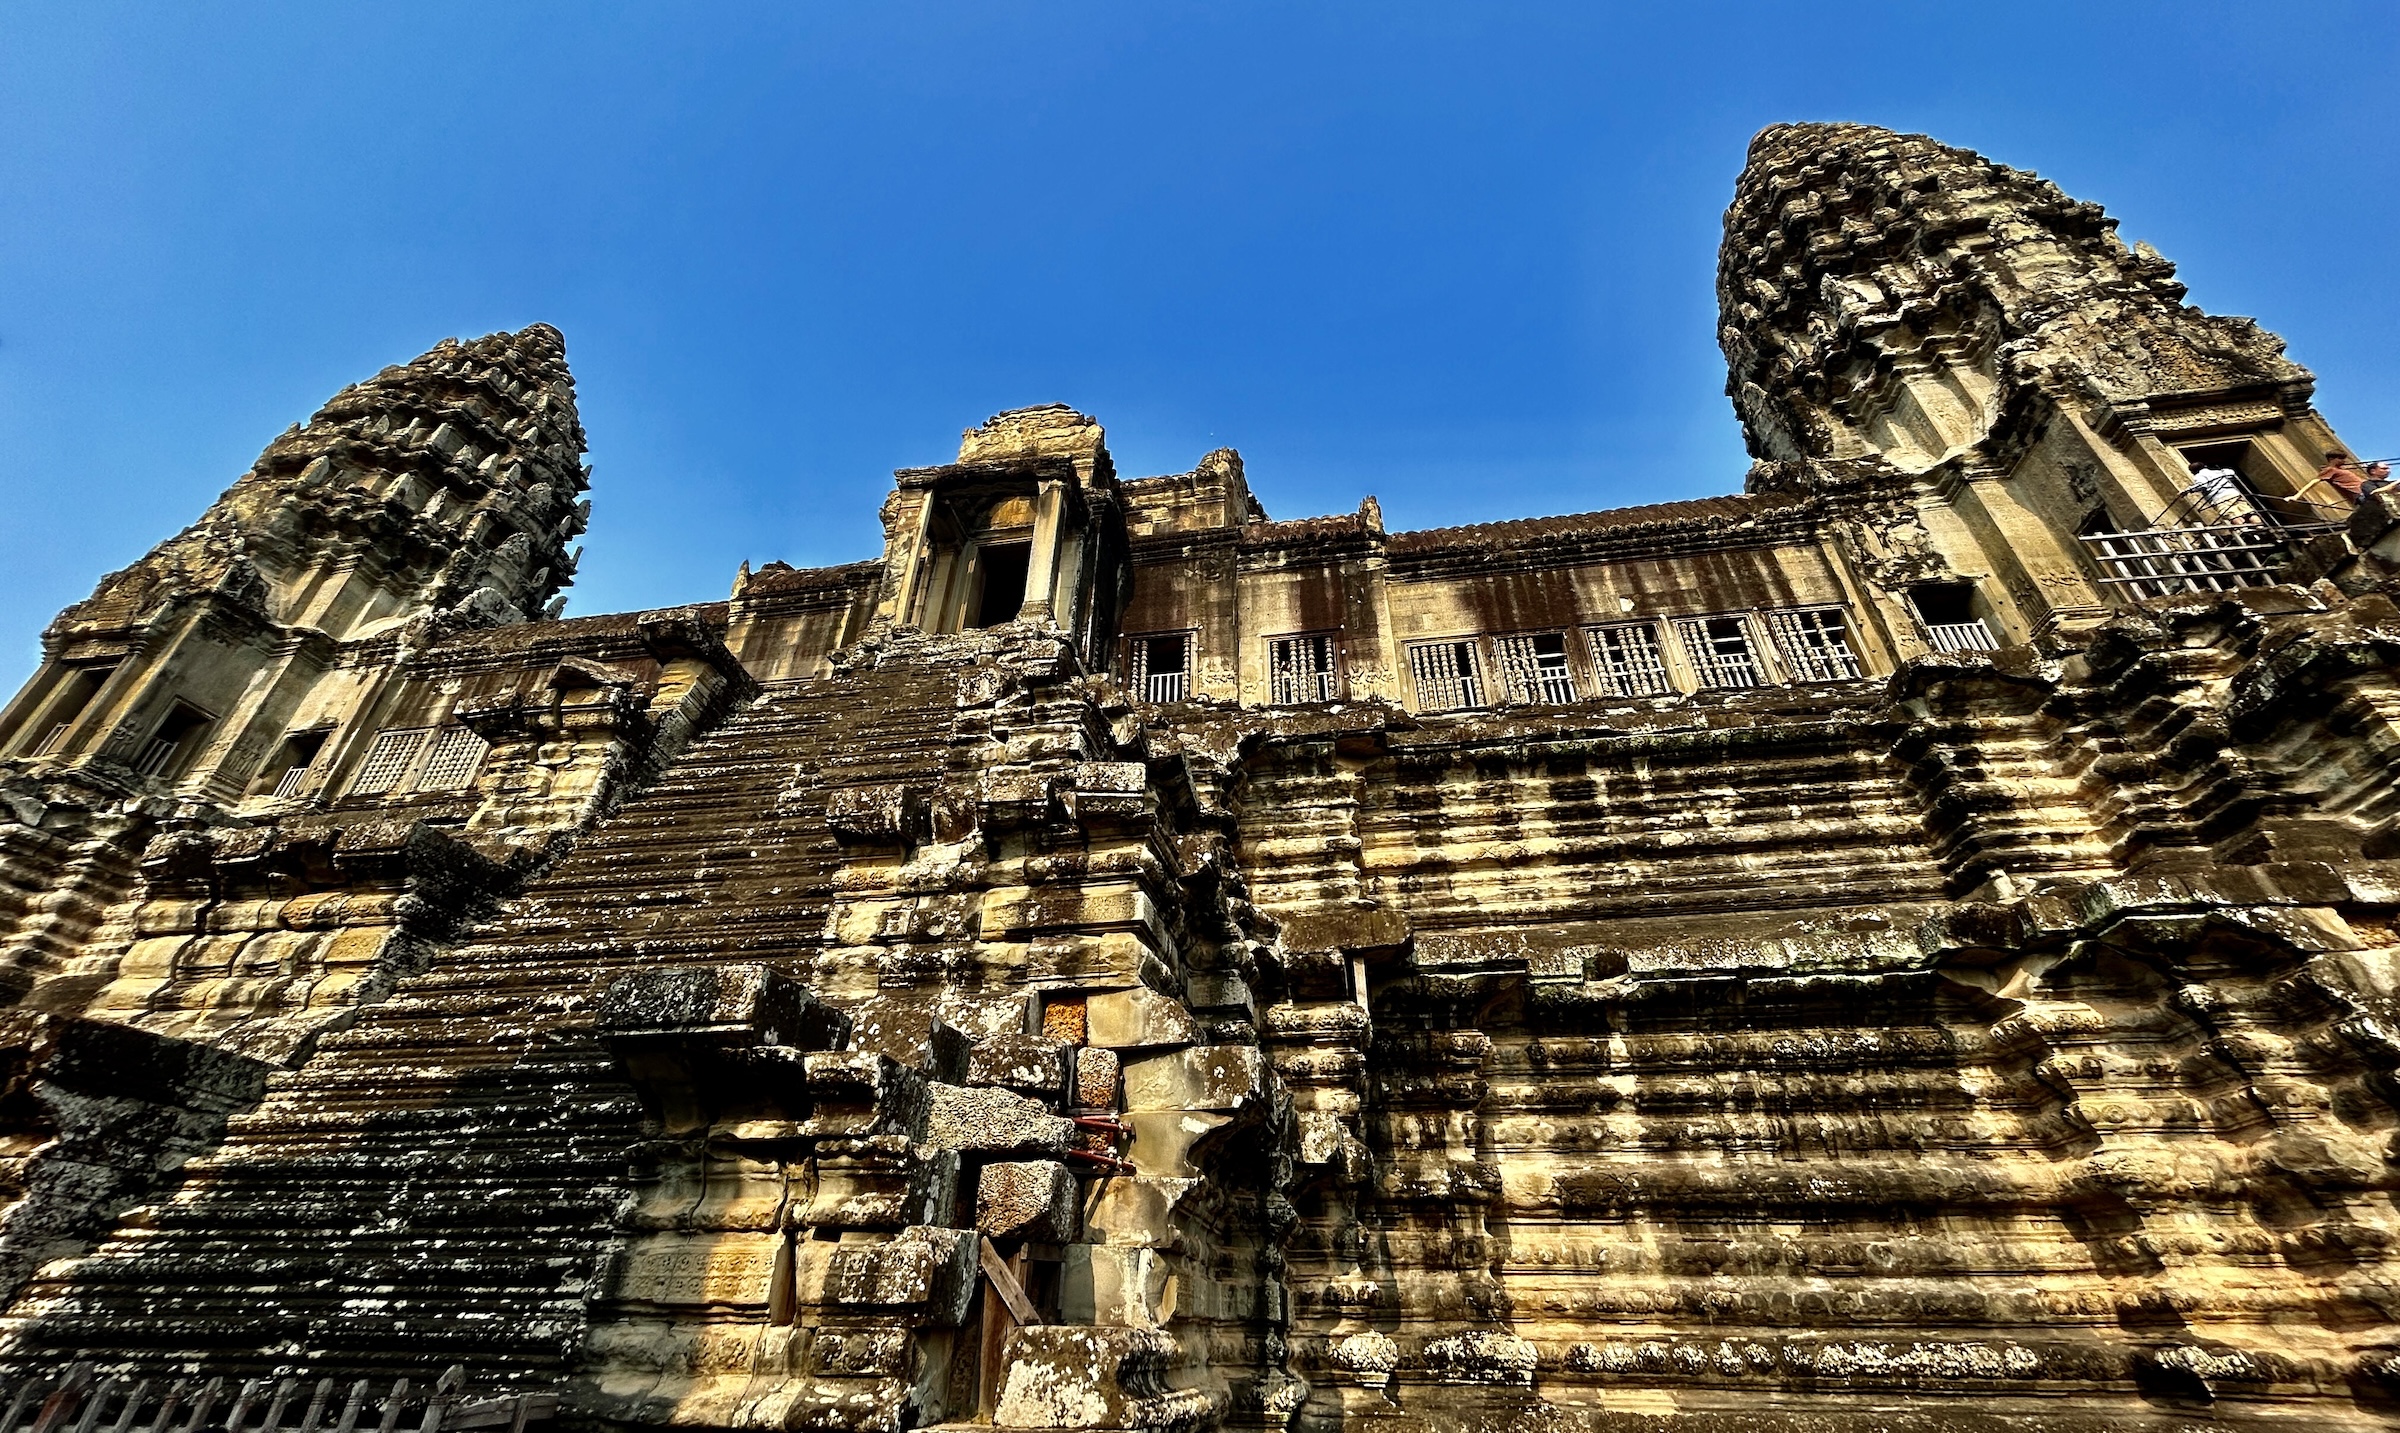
<point x="1907" y="946"/>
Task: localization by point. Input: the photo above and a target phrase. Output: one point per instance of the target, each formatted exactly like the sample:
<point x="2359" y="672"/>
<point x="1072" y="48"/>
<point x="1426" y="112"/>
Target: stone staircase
<point x="438" y="1186"/>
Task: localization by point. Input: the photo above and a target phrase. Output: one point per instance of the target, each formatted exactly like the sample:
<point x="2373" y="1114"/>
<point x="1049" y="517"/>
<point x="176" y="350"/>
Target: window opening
<point x="1534" y="666"/>
<point x="298" y="758"/>
<point x="388" y="760"/>
<point x="1814" y="645"/>
<point x="1301" y="669"/>
<point x="1947" y="612"/>
<point x="78" y="690"/>
<point x="1628" y="661"/>
<point x="1446" y="675"/>
<point x="1000" y="574"/>
<point x="1162" y="666"/>
<point x="1720" y="651"/>
<point x="457" y="756"/>
<point x="172" y="741"/>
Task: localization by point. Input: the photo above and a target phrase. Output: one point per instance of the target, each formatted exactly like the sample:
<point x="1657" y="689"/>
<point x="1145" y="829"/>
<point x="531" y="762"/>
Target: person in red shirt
<point x="2346" y="480"/>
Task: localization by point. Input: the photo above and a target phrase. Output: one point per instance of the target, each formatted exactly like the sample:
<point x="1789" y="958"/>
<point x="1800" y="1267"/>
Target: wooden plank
<point x="91" y="1411"/>
<point x="310" y="1421"/>
<point x="60" y="1405"/>
<point x="1003" y="1279"/>
<point x="351" y="1410"/>
<point x="242" y="1404"/>
<point x="282" y="1400"/>
<point x="16" y="1405"/>
<point x="393" y="1405"/>
<point x="206" y="1405"/>
<point x="133" y="1406"/>
<point x="167" y="1405"/>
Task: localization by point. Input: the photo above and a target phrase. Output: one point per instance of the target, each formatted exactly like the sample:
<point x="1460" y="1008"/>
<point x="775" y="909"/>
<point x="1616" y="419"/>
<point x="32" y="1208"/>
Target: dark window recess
<point x="173" y="742"/>
<point x="1535" y="669"/>
<point x="1944" y="604"/>
<point x="1000" y="579"/>
<point x="286" y="774"/>
<point x="1720" y="651"/>
<point x="1947" y="610"/>
<point x="2235" y="456"/>
<point x="1303" y="669"/>
<point x="1448" y="678"/>
<point x="1162" y="667"/>
<point x="76" y="693"/>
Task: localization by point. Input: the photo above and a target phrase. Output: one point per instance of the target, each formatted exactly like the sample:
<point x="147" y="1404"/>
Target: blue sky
<point x="1459" y="256"/>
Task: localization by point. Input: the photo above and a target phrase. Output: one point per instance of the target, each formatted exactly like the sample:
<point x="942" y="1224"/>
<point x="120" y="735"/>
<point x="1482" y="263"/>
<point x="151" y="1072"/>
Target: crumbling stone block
<point x="1026" y="1199"/>
<point x="1136" y="1209"/>
<point x="993" y="1121"/>
<point x="1203" y="1077"/>
<point x="1139" y="1018"/>
<point x="882" y="814"/>
<point x="929" y="1273"/>
<point x="1096" y="1070"/>
<point x="860" y="1094"/>
<point x="1163" y="1140"/>
<point x="1029" y="1064"/>
<point x="749" y="1004"/>
<point x="1482" y="1356"/>
<point x="882" y="1182"/>
<point x="1095" y="1378"/>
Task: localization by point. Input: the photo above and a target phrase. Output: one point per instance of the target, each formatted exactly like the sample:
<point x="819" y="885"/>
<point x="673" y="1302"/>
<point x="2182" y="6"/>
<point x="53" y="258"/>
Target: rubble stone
<point x="992" y="1121"/>
<point x="1029" y="1064"/>
<point x="1026" y="1199"/>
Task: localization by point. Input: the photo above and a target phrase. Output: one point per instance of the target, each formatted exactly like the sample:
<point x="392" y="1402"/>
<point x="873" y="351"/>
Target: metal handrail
<point x="2164" y="562"/>
<point x="81" y="1401"/>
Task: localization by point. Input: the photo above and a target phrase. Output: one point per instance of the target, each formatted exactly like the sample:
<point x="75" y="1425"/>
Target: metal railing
<point x="1969" y="636"/>
<point x="2168" y="562"/>
<point x="2217" y="535"/>
<point x="82" y="1402"/>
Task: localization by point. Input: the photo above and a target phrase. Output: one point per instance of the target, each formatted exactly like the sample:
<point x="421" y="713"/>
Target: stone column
<point x="1042" y="573"/>
<point x="910" y="559"/>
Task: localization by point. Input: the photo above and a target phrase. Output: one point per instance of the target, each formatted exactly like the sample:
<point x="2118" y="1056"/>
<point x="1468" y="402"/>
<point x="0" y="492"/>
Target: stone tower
<point x="443" y="491"/>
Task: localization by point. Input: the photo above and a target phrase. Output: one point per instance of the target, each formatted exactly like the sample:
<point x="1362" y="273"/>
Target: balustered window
<point x="1628" y="662"/>
<point x="1533" y="665"/>
<point x="1720" y="651"/>
<point x="1446" y="675"/>
<point x="1946" y="610"/>
<point x="1303" y="669"/>
<point x="1814" y="643"/>
<point x="75" y="695"/>
<point x="1161" y="666"/>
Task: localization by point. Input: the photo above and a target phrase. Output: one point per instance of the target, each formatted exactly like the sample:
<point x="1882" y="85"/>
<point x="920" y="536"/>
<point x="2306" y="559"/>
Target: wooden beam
<point x="1012" y="1293"/>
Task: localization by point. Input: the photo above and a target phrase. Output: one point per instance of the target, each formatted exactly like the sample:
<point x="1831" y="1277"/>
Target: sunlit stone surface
<point x="1906" y="947"/>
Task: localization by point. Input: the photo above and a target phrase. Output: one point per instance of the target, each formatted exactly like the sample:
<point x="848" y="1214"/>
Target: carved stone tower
<point x="444" y="489"/>
<point x="1025" y="526"/>
<point x="1991" y="376"/>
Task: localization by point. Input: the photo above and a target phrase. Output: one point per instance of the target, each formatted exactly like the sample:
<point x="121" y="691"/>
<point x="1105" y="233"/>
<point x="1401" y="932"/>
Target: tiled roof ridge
<point x="1718" y="508"/>
<point x="515" y="636"/>
<point x="1329" y="525"/>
